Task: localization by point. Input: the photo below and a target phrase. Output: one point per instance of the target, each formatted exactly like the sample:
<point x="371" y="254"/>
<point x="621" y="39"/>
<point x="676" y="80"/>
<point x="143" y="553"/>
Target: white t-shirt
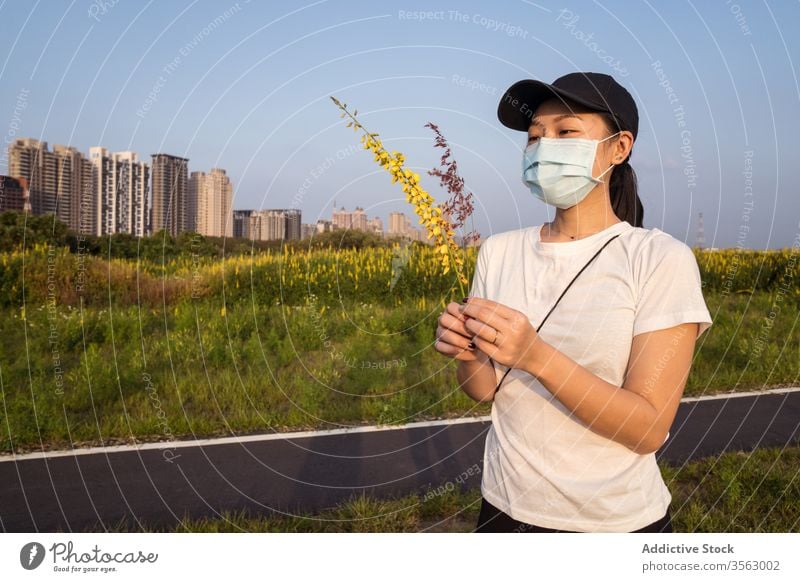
<point x="541" y="464"/>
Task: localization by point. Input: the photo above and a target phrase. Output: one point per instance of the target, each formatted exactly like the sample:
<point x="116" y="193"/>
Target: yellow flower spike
<point x="444" y="247"/>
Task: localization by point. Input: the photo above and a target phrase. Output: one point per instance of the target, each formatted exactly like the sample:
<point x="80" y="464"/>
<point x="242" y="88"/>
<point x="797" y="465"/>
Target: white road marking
<point x="316" y="433"/>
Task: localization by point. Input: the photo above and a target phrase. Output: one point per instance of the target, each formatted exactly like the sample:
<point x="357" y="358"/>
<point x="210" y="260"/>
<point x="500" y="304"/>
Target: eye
<point x="568" y="131"/>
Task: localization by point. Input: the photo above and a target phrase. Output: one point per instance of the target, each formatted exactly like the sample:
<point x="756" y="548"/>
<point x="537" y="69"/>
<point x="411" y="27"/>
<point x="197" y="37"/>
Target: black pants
<point x="492" y="520"/>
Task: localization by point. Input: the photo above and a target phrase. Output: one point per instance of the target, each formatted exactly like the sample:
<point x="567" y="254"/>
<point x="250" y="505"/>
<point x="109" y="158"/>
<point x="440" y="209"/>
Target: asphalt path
<point x="162" y="483"/>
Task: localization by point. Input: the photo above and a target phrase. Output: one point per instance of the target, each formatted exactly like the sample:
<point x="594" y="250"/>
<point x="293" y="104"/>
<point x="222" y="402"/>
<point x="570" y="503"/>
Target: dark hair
<point x="623" y="188"/>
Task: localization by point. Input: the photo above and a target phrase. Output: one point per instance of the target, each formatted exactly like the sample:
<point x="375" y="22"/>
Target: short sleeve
<point x="671" y="289"/>
<point x="478" y="288"/>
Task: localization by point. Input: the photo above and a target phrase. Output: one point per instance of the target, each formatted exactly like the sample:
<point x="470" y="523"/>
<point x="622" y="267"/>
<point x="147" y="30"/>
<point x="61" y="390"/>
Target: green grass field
<point x="131" y="374"/>
<point x="132" y="344"/>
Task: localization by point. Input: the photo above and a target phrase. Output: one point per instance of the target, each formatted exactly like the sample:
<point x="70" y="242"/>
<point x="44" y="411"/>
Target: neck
<point x="581" y="220"/>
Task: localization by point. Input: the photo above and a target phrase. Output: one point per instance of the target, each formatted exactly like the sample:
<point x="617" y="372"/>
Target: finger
<point x="494" y="315"/>
<point x="477" y="306"/>
<point x="453" y="351"/>
<point x="453" y="338"/>
<point x="453" y="309"/>
<point x="478" y="329"/>
<point x="485" y="346"/>
<point x="448" y="321"/>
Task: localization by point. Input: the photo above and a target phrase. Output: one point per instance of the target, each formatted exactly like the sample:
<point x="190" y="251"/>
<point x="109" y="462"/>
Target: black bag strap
<point x="557" y="300"/>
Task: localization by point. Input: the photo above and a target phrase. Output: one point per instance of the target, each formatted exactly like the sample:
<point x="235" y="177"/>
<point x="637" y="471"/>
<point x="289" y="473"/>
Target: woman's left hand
<point x="515" y="344"/>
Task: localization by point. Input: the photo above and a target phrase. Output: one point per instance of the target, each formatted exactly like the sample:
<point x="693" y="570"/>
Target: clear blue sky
<point x="250" y="94"/>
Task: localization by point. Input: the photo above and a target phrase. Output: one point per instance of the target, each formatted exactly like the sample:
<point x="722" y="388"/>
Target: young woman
<point x="580" y="331"/>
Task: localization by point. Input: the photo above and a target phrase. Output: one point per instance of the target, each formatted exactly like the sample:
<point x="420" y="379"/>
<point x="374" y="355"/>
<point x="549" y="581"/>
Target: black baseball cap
<point x="596" y="91"/>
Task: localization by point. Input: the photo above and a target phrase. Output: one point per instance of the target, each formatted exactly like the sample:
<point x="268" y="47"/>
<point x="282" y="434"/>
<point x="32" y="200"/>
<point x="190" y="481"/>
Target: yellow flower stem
<point x="458" y="272"/>
<point x="435" y="222"/>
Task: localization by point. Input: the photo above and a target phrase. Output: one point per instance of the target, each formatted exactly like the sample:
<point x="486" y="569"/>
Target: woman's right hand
<point x="452" y="337"/>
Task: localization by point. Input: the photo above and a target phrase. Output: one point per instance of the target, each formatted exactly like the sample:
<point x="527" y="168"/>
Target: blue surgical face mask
<point x="558" y="171"/>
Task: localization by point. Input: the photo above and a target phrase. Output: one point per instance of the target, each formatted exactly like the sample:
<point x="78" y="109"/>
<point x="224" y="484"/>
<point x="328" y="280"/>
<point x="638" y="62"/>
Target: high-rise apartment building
<point x="74" y="186"/>
<point x="170" y="192"/>
<point x="13" y="194"/>
<point x="308" y="231"/>
<point x="121" y="186"/>
<point x="59" y="182"/>
<point x="269" y="224"/>
<point x="27" y="159"/>
<point x="210" y="203"/>
<point x="375" y="225"/>
<point x="324" y="225"/>
<point x="105" y="190"/>
<point x="241" y="223"/>
<point x="400" y="225"/>
<point x="133" y="189"/>
<point x="292" y="216"/>
<point x="344" y="219"/>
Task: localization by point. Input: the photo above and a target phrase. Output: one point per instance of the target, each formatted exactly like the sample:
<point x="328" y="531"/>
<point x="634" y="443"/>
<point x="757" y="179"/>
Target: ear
<point x="622" y="147"/>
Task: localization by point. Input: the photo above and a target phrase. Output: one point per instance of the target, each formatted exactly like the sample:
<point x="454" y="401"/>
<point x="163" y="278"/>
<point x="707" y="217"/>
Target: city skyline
<point x="246" y="87"/>
<point x="114" y="192"/>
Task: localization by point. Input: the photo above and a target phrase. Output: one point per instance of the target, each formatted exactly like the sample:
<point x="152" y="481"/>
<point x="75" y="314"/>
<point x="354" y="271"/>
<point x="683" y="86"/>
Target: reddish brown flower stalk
<point x="458" y="207"/>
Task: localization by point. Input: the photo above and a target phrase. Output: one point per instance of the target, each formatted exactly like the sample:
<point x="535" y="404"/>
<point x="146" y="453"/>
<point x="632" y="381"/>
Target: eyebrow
<point x="536" y="121"/>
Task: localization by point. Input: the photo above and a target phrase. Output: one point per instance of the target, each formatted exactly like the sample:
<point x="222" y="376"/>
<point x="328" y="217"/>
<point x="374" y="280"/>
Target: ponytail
<point x="624" y="197"/>
<point x="623" y="188"/>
